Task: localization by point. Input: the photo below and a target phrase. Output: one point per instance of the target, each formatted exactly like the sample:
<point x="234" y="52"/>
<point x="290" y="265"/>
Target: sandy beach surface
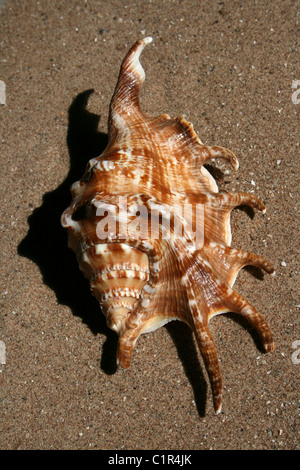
<point x="233" y="69"/>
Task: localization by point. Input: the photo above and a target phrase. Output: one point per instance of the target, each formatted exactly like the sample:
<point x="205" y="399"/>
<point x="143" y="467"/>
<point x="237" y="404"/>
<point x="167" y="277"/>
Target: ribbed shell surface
<point x="152" y="232"/>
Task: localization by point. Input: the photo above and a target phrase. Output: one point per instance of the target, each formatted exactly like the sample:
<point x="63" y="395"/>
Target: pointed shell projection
<point x="151" y="231"/>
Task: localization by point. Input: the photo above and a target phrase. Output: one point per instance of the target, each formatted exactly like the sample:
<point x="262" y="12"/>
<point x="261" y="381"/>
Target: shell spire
<point x="151" y="231"/>
<point x="124" y="105"/>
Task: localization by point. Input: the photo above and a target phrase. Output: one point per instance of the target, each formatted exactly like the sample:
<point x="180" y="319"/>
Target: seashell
<point x="151" y="231"/>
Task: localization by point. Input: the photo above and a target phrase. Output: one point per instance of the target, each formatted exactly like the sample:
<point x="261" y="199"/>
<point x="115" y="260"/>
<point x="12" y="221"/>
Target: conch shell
<point x="151" y="231"/>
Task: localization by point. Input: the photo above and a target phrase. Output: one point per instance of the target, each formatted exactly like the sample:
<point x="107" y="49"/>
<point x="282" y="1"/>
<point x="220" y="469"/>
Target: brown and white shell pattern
<point x="152" y="232"/>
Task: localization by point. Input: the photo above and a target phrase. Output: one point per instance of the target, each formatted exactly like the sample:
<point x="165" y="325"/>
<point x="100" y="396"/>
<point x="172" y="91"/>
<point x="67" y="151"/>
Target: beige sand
<point x="229" y="67"/>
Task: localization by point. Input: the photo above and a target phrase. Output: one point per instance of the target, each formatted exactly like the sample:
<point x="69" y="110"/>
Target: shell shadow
<point x="46" y="241"/>
<point x="242" y="322"/>
<point x="183" y="339"/>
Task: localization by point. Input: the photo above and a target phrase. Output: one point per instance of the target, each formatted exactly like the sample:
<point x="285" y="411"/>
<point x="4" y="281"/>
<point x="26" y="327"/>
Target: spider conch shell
<point x="151" y="231"/>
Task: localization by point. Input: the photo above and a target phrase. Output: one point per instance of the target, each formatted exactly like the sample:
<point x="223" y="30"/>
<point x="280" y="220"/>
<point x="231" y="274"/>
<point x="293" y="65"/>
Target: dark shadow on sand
<point x="183" y="339"/>
<point x="46" y="241"/>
